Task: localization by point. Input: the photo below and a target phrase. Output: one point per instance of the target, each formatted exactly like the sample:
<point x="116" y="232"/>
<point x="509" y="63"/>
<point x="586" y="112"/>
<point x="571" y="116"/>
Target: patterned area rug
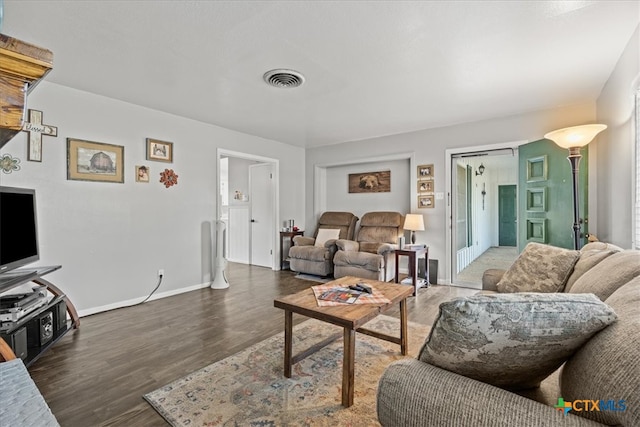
<point x="249" y="388"/>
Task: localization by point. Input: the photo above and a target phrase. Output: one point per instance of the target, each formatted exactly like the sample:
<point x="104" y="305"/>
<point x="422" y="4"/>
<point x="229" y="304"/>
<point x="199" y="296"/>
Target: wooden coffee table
<point x="351" y="317"/>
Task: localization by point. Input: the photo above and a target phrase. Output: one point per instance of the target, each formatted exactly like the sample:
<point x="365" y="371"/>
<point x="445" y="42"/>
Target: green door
<point x="545" y="194"/>
<point x="507" y="213"/>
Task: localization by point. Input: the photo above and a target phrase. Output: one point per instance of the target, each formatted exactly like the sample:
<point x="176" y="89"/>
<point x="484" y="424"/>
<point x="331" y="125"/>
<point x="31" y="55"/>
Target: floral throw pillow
<point x="513" y="341"/>
<point x="539" y="268"/>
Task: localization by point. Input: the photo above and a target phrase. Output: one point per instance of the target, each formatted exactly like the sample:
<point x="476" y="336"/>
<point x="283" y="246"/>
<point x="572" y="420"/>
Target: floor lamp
<point x="573" y="139"/>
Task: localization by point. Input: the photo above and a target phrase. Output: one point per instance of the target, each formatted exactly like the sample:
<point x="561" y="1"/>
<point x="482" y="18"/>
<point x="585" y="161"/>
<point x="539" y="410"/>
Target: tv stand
<point x="34" y="333"/>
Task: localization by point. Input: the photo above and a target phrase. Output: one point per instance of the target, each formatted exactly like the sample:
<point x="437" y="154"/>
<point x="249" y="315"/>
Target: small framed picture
<point x="425" y="186"/>
<point x="425" y="171"/>
<point x="142" y="173"/>
<point x="427" y="201"/>
<point x="160" y="151"/>
<point x="94" y="161"/>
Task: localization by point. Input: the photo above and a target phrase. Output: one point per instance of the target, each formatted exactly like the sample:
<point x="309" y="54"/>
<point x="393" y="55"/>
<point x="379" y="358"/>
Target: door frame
<point x="276" y="194"/>
<point x="450" y="226"/>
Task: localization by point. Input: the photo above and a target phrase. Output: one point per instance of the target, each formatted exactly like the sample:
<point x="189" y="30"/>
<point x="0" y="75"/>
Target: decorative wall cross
<point x="36" y="129"/>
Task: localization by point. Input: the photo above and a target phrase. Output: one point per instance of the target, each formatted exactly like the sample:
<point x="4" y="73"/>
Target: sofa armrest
<point x="303" y="241"/>
<point x="490" y="279"/>
<point x="347" y="245"/>
<point x="412" y="393"/>
<point x="385" y="248"/>
<point x="330" y="244"/>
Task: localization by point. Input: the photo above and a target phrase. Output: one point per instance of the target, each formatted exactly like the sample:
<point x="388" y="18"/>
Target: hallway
<point x="495" y="257"/>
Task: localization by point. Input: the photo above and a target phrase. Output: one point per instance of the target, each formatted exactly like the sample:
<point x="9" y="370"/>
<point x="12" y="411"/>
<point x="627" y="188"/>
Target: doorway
<point x="474" y="180"/>
<point x="508" y="215"/>
<point x="243" y="198"/>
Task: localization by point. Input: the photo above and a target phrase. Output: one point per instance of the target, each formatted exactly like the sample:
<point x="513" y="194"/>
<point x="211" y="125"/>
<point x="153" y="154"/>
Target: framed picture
<point x="142" y="174"/>
<point x="370" y="182"/>
<point x="537" y="169"/>
<point x="425" y="171"/>
<point x="160" y="151"/>
<point x="425" y="186"/>
<point x="427" y="201"/>
<point x="94" y="161"/>
<point x="536" y="199"/>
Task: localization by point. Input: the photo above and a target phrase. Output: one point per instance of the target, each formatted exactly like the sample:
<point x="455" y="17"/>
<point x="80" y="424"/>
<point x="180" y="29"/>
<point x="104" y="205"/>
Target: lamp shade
<point x="414" y="222"/>
<point x="575" y="136"/>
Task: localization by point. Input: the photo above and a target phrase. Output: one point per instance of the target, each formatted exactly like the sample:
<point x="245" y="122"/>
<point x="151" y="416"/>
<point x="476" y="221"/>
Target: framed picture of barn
<point x="94" y="161"/>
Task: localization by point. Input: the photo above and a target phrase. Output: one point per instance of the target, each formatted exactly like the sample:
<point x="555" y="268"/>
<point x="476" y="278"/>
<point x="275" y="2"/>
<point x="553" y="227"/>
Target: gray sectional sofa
<point x="599" y="384"/>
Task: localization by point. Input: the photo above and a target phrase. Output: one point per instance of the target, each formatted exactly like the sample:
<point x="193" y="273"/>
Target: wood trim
<point x="6" y="353"/>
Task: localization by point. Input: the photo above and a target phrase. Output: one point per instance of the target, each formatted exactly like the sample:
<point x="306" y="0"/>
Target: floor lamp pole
<point x="574" y="158"/>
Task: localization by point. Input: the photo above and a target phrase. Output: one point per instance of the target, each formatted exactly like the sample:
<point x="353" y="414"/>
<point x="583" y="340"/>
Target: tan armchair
<point x="370" y="255"/>
<point x="311" y="256"/>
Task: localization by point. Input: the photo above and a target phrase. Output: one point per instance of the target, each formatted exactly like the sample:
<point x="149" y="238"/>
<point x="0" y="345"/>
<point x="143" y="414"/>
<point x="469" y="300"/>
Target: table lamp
<point x="413" y="222"/>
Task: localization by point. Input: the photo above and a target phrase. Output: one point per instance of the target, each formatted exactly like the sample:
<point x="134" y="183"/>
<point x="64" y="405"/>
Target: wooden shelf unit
<point x="22" y="67"/>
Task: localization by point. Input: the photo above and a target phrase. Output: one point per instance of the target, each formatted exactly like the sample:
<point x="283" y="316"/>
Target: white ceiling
<point x="372" y="68"/>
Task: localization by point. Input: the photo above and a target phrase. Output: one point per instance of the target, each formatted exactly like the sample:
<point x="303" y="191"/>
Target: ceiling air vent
<point x="283" y="78"/>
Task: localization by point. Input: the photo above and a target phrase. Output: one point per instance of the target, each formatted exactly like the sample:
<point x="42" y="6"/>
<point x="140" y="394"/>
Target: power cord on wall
<point x="152" y="292"/>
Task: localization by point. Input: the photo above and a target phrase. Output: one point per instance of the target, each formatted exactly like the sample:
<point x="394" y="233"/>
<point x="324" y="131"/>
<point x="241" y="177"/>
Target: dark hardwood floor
<point x="96" y="376"/>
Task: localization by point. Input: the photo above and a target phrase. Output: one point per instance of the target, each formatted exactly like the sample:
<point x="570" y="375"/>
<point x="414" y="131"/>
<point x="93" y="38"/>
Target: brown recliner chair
<point x="370" y="256"/>
<point x="314" y="255"/>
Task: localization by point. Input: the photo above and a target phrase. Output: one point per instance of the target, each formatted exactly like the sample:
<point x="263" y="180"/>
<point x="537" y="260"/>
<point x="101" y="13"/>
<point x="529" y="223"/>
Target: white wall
<point x="614" y="149"/>
<point x="429" y="147"/>
<point x="339" y="198"/>
<point x="112" y="238"/>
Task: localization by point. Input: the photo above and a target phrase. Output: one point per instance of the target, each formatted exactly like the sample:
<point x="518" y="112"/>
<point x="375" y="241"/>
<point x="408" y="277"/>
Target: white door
<point x="261" y="197"/>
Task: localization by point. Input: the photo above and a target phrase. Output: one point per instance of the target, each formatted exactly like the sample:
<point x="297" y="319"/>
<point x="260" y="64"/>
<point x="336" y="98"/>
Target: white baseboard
<point x="127" y="303"/>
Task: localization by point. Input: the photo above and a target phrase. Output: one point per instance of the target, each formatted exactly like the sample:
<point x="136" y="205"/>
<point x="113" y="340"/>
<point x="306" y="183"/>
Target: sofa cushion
<point x="364" y="260"/>
<point x="310" y="253"/>
<point x="588" y="259"/>
<point x="325" y="234"/>
<point x="513" y="340"/>
<point x="539" y="268"/>
<point x="607" y="367"/>
<point x="610" y="274"/>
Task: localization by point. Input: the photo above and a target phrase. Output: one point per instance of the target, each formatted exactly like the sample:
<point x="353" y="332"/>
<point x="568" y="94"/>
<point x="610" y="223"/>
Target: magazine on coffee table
<point x="343" y="295"/>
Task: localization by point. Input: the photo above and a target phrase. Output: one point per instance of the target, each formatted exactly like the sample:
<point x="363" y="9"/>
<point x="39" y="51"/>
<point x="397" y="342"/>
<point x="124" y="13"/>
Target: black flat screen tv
<point x="18" y="228"/>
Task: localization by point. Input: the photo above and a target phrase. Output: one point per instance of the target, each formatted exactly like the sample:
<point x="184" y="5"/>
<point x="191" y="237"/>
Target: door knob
<point x="253" y="220"/>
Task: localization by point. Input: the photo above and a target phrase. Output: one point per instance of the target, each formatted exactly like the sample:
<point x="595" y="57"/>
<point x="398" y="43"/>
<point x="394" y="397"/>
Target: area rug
<point x="249" y="388"/>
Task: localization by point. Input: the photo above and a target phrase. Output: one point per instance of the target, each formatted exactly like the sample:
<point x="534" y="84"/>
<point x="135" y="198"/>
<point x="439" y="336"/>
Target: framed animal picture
<point x="370" y="182"/>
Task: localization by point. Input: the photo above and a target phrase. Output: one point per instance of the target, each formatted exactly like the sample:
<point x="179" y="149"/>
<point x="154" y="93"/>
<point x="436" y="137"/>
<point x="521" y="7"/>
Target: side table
<point x="414" y="254"/>
<point x="284" y="264"/>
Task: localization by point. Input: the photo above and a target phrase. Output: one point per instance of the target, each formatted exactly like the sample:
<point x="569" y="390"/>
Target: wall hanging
<point x="370" y="182"/>
<point x="9" y="164"/>
<point x="94" y="161"/>
<point x="36" y="129"/>
<point x="160" y="151"/>
<point x="142" y="174"/>
<point x="426" y="186"/>
<point x="168" y="178"/>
